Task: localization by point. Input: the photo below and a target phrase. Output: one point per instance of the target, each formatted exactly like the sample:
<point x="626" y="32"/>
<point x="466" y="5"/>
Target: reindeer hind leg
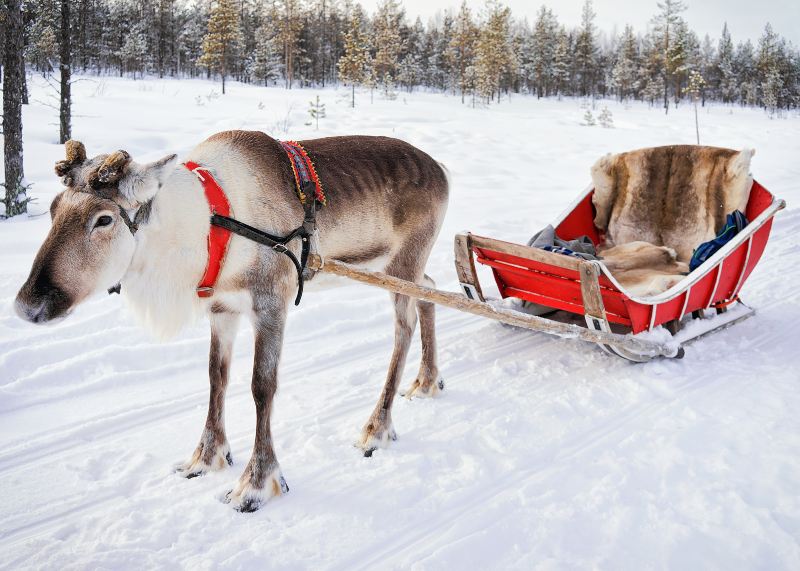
<point x="428" y="382"/>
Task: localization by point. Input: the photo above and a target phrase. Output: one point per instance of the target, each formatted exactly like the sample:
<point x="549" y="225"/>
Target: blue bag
<point x="733" y="225"/>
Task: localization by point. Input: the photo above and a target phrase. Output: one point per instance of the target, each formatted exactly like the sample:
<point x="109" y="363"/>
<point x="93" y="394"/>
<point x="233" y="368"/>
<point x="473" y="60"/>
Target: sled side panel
<point x="580" y="222"/>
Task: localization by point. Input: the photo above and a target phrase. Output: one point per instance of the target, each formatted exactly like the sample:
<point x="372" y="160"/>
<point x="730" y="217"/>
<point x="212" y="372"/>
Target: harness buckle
<point x="205" y="291"/>
<point x="281" y="248"/>
<point x="197" y="173"/>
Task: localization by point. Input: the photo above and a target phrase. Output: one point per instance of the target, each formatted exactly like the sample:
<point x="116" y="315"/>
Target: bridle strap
<point x="142" y="214"/>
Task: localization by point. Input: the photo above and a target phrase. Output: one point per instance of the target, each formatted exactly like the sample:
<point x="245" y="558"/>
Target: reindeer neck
<point x="170" y="255"/>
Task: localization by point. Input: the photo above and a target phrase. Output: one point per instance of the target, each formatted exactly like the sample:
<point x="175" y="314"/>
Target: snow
<point x="541" y="452"/>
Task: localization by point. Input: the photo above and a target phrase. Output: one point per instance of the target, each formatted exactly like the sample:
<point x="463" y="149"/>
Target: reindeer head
<point x="91" y="242"/>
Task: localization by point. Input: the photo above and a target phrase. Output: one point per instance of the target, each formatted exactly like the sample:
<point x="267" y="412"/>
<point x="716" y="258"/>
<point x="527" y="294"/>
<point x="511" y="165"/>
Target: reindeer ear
<point x="143" y="181"/>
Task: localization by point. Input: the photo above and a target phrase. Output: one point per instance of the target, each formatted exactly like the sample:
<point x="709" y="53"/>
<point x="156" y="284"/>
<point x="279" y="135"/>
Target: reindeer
<point x="146" y="226"/>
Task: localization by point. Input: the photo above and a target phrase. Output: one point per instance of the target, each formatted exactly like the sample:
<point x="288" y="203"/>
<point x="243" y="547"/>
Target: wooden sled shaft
<point x="483" y="309"/>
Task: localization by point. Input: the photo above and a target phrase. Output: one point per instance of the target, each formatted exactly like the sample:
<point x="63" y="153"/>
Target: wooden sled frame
<point x="594" y="280"/>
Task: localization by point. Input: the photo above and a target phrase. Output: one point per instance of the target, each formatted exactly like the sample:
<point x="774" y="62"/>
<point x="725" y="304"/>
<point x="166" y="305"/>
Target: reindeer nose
<point x="31" y="305"/>
<point x="34" y="313"/>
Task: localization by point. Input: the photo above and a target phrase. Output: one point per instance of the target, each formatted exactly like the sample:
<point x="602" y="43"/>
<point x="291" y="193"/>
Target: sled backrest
<point x="676" y="196"/>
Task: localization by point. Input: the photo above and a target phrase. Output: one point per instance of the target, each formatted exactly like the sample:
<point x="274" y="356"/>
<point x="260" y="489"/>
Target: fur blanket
<point x="660" y="204"/>
<point x="644" y="269"/>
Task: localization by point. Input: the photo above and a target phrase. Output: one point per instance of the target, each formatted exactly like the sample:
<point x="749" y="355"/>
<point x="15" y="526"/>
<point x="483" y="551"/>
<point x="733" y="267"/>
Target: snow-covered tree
<point x="727" y="82"/>
<point x="625" y="74"/>
<point x="265" y="62"/>
<point x="543" y="45"/>
<point x="561" y="62"/>
<point x="664" y="25"/>
<point x="586" y="51"/>
<point x="133" y="52"/>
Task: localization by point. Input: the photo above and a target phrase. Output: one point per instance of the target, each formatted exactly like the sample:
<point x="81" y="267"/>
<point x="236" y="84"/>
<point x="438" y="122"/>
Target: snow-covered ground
<point x="541" y="453"/>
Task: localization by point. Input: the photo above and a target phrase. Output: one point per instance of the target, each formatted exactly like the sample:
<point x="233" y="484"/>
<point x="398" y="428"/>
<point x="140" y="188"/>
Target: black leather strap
<point x="277" y="243"/>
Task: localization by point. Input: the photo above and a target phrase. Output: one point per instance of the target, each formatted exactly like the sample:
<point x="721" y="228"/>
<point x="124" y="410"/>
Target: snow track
<point x="541" y="453"/>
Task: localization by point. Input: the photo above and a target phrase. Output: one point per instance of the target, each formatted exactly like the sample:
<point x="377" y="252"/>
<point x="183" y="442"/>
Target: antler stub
<point x="75" y="156"/>
<point x="111" y="170"/>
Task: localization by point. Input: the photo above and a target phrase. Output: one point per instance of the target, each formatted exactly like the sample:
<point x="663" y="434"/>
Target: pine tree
<point x="707" y="67"/>
<point x="745" y="71"/>
<point x="606" y="119"/>
<point x="625" y="74"/>
<point x="493" y="56"/>
<point x="190" y="39"/>
<point x="264" y="63"/>
<point x="665" y="23"/>
<point x="414" y="49"/>
<point x="682" y="54"/>
<point x="354" y="65"/>
<point x="586" y="51"/>
<point x="288" y="14"/>
<point x="461" y="51"/>
<point x="771" y="89"/>
<point x="561" y="62"/>
<point x="387" y="42"/>
<point x="134" y="50"/>
<point x="727" y="83"/>
<point x="543" y="46"/>
<point x="222" y="39"/>
<point x="42" y="52"/>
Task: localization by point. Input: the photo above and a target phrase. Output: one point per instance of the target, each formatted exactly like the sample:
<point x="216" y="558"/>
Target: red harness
<point x="219" y="237"/>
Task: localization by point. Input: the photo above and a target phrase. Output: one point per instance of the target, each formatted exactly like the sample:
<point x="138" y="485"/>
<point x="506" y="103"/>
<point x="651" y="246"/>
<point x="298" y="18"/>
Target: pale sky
<point x="746" y="18"/>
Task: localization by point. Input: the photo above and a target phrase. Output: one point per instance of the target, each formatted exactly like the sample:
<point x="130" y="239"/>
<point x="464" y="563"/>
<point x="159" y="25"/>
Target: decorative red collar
<point x="218" y="237"/>
<point x="305" y="174"/>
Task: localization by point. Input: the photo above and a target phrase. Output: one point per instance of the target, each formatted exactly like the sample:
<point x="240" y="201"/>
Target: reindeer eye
<point x="104" y="220"/>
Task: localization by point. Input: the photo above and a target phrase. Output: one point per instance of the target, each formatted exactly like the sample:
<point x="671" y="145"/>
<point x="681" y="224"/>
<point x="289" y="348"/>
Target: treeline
<point x="299" y="43"/>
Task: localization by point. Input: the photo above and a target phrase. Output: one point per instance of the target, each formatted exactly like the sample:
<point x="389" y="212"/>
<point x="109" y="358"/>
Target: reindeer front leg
<point x="213" y="452"/>
<point x="262" y="478"/>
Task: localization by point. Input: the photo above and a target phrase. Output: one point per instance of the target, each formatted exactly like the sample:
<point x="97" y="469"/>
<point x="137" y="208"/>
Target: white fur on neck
<point x="171" y="251"/>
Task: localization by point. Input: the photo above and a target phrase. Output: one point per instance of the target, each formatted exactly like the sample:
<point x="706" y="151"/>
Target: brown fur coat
<point x="672" y="198"/>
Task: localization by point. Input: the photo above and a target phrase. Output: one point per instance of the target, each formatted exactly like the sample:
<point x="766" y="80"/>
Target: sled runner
<point x="586" y="287"/>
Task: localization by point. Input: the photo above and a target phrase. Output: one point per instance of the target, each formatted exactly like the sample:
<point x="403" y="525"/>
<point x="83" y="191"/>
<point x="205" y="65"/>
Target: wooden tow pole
<point x="462" y="303"/>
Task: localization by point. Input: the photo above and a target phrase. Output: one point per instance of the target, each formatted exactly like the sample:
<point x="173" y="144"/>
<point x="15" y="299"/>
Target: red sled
<point x="709" y="294"/>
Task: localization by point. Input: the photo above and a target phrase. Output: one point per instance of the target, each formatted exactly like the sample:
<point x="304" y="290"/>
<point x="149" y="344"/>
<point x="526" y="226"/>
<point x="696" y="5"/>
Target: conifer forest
<point x="480" y="54"/>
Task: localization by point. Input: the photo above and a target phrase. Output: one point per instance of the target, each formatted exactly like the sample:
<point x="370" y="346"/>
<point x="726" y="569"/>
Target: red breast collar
<point x="218" y="237"/>
<point x="307" y="182"/>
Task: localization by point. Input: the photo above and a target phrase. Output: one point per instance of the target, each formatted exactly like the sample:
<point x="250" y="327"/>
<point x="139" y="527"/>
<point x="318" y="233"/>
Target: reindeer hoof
<point x="247" y="498"/>
<point x="202" y="462"/>
<point x="371" y="440"/>
<point x="424" y="389"/>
